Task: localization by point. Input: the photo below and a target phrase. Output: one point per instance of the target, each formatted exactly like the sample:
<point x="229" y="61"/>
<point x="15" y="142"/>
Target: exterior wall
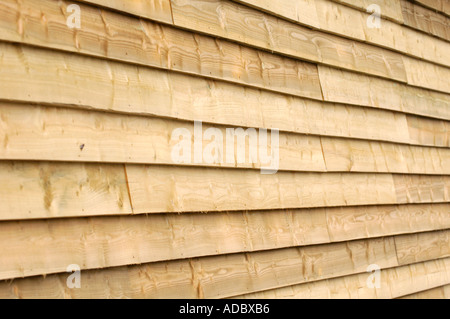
<point x="118" y="159"/>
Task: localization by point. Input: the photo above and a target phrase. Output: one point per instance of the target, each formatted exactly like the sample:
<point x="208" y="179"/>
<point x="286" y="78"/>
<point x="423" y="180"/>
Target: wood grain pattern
<point x="340" y="20"/>
<point x="439" y="5"/>
<point x="423" y="246"/>
<point x="427" y="130"/>
<point x="46" y="190"/>
<point x="349" y="20"/>
<point x="86" y="82"/>
<point x="38" y="247"/>
<point x="356" y="155"/>
<point x="51" y="189"/>
<point x="352" y="88"/>
<point x="229" y="20"/>
<point x="350" y="23"/>
<point x="434" y="293"/>
<point x="391" y="9"/>
<point x="426" y="20"/>
<point x="215" y="276"/>
<point x="158" y="10"/>
<point x="395" y="282"/>
<point x="128" y="39"/>
<point x="303" y="11"/>
<point x="181" y="189"/>
<point x="419" y="188"/>
<point x="391" y="35"/>
<point x="60" y="134"/>
<point x="347" y="223"/>
<point x="427" y="75"/>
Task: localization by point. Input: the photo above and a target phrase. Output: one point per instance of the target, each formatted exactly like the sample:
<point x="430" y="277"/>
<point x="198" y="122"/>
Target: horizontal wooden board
<point x="347" y="223"/>
<point x="47" y="246"/>
<point x="340" y="19"/>
<point x="434" y="293"/>
<point x="428" y="131"/>
<point x="303" y="11"/>
<point x="158" y="10"/>
<point x="394" y="283"/>
<point x="420" y="188"/>
<point x="58" y="134"/>
<point x="180" y="189"/>
<point x="86" y="83"/>
<point x="423" y="246"/>
<point x="230" y="20"/>
<point x="426" y="20"/>
<point x="427" y="75"/>
<point x="148" y="43"/>
<point x="44" y="190"/>
<point x="352" y="88"/>
<point x="350" y="19"/>
<point x="32" y="132"/>
<point x="391" y="9"/>
<point x="439" y="5"/>
<point x="389" y="35"/>
<point x="351" y="23"/>
<point x="356" y="155"/>
<point x="214" y="276"/>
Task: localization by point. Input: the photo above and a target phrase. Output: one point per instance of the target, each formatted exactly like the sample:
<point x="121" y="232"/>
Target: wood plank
<point x="427" y="131"/>
<point x="86" y="83"/>
<point x="352" y="88"/>
<point x="183" y="189"/>
<point x="438" y="5"/>
<point x="38" y="247"/>
<point x="347" y="223"/>
<point x="351" y="22"/>
<point x="158" y="10"/>
<point x="424" y="246"/>
<point x="395" y="282"/>
<point x="356" y="156"/>
<point x="147" y="43"/>
<point x="229" y="20"/>
<point x="396" y="37"/>
<point x="303" y="11"/>
<point x="92" y="243"/>
<point x="50" y="189"/>
<point x="215" y="276"/>
<point x="340" y="20"/>
<point x="429" y="21"/>
<point x="166" y="189"/>
<point x="332" y="18"/>
<point x="31" y="132"/>
<point x="434" y="293"/>
<point x="391" y="9"/>
<point x="420" y="188"/>
<point x="427" y="75"/>
<point x="46" y="190"/>
<point x="413" y="42"/>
